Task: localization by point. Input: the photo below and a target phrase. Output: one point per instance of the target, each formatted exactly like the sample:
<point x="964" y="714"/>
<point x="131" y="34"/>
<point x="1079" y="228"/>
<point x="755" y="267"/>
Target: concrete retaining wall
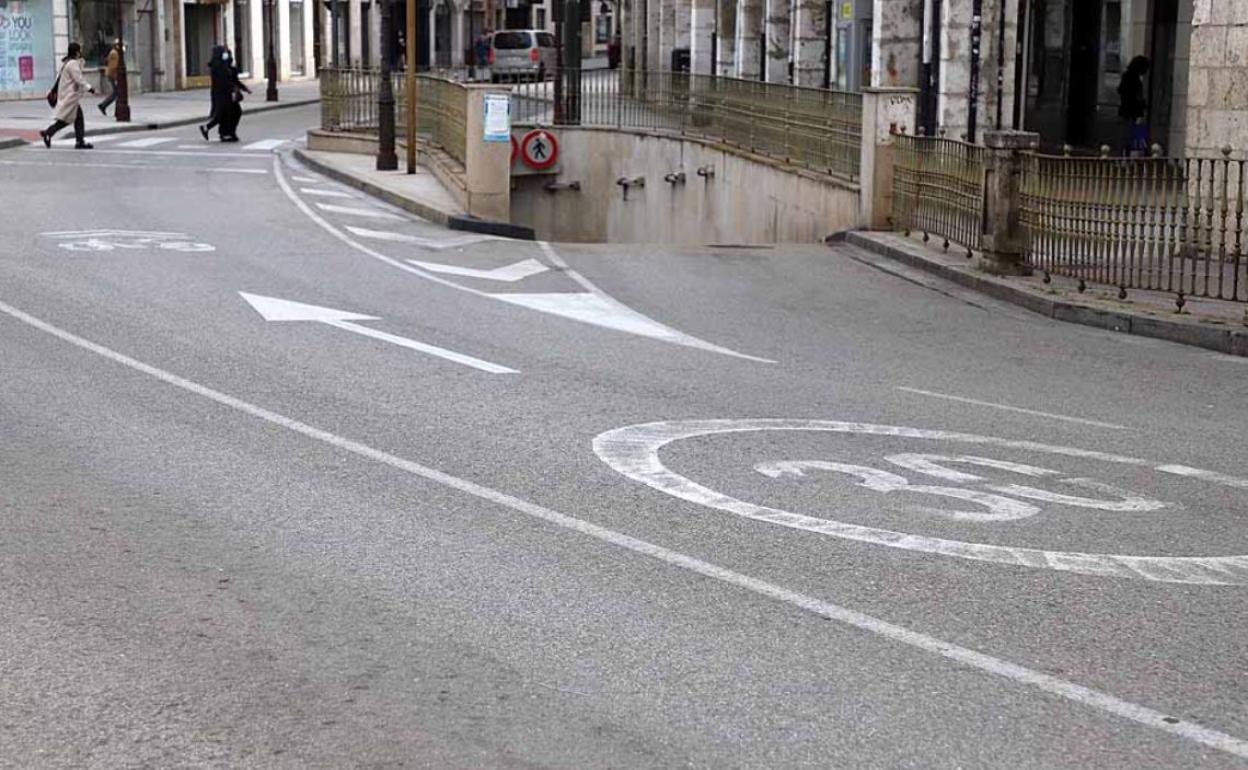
<point x="749" y="199"/>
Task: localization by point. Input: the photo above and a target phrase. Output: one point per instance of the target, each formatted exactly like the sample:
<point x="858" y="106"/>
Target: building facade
<point x="1049" y="66"/>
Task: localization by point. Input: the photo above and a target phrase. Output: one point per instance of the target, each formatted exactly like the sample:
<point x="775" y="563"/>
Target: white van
<point x="521" y="53"/>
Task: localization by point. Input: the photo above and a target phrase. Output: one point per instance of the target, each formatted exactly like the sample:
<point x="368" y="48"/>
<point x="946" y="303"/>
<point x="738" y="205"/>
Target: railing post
<point x="1003" y="233"/>
<point x="884" y="111"/>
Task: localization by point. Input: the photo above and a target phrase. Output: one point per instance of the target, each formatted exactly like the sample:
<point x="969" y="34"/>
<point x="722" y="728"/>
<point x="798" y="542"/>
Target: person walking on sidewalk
<point x="111" y="65"/>
<point x="70" y="87"/>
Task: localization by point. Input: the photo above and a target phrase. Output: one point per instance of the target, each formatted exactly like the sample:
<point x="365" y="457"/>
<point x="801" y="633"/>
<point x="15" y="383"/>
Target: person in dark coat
<point x="227" y="91"/>
<point x="234" y="107"/>
<point x="1133" y="105"/>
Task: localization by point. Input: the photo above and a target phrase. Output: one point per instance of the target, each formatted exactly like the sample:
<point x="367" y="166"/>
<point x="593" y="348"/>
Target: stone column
<point x="283" y="40"/>
<point x="884" y="111"/>
<point x="458" y="23"/>
<point x="1217" y="93"/>
<point x="683" y="10"/>
<point x="749" y="31"/>
<point x="897" y="42"/>
<point x="1003" y="235"/>
<point x="778" y="41"/>
<point x="809" y="42"/>
<point x="355" y="33"/>
<point x="487" y="165"/>
<point x="667" y="32"/>
<point x="727" y="53"/>
<point x="654" y="23"/>
<point x="703" y="30"/>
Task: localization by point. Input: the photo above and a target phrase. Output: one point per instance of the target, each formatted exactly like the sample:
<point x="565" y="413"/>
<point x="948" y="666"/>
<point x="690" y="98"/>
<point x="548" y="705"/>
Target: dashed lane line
<point x="965" y="656"/>
<point x="150" y="141"/>
<point x="1017" y="409"/>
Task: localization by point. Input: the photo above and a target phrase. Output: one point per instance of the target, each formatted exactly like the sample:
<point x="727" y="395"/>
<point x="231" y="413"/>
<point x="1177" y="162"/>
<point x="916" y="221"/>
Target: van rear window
<point x="505" y="41"/>
<point x="545" y="40"/>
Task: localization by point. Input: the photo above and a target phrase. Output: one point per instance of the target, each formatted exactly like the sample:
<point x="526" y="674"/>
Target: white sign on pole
<point x="497" y="123"/>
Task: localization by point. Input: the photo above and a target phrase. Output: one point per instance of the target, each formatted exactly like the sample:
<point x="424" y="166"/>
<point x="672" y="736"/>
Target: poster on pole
<point x="497" y="121"/>
<point x="27" y="61"/>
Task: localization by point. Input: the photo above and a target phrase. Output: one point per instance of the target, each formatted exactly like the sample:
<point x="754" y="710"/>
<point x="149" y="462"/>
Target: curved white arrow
<point x="274" y="309"/>
<point x="507" y="273"/>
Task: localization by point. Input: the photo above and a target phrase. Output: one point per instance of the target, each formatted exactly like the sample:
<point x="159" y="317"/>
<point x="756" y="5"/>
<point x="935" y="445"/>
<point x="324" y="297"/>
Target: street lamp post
<point x="270" y="66"/>
<point x="122" y="109"/>
<point x="387" y="160"/>
<point x="409" y="61"/>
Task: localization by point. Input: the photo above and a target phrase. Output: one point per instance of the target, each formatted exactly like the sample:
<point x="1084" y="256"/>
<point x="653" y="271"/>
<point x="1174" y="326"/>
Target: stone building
<point x="1049" y="66"/>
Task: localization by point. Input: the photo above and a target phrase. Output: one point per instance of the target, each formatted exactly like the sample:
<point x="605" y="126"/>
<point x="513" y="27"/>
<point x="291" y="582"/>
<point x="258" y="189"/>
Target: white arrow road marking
<point x="1154" y="719"/>
<point x="428" y="243"/>
<point x="325" y="193"/>
<point x="373" y="213"/>
<point x="274" y="309"/>
<point x="507" y="274"/>
<point x="150" y="141"/>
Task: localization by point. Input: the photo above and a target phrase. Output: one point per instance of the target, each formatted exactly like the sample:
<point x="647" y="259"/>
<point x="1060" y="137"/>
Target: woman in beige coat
<point x="71" y="86"/>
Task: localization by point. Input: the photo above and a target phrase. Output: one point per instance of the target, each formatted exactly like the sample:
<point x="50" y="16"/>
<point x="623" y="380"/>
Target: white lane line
<point x="307" y="179"/>
<point x="138" y="167"/>
<point x="437" y="244"/>
<point x="196" y="147"/>
<point x="669" y="334"/>
<point x="325" y="193"/>
<point x="165" y="153"/>
<point x="91" y="139"/>
<point x="517" y="271"/>
<point x="265" y="144"/>
<point x="150" y="141"/>
<point x="966" y="656"/>
<point x="1197" y="473"/>
<point x="1019" y="409"/>
<point x="357" y="212"/>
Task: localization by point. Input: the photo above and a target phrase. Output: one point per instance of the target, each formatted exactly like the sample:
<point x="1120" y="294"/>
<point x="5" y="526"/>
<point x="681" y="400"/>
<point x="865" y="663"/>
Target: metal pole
<point x="410" y="84"/>
<point x="333" y="26"/>
<point x="1001" y="66"/>
<point x="270" y="94"/>
<point x="122" y="109"/>
<point x="977" y="30"/>
<point x="387" y="160"/>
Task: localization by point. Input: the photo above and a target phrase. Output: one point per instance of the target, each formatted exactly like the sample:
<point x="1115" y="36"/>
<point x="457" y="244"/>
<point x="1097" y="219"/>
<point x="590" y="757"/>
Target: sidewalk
<point x="24" y="119"/>
<point x="1218" y="325"/>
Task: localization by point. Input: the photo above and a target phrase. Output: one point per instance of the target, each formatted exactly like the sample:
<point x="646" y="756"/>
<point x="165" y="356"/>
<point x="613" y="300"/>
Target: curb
<point x="432" y="213"/>
<point x="1232" y="342"/>
<point x="9" y="142"/>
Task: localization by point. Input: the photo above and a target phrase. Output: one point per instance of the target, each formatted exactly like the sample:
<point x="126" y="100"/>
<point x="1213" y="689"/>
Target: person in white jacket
<point x="71" y="87"/>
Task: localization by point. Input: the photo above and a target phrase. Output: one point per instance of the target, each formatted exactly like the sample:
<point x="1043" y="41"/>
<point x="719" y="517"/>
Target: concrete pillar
<point x="1217" y="110"/>
<point x="458" y="30"/>
<point x="667" y="31"/>
<point x="702" y="23"/>
<point x="374" y="33"/>
<point x="884" y="111"/>
<point x="749" y="33"/>
<point x="487" y="165"/>
<point x="259" y="45"/>
<point x="432" y="30"/>
<point x="309" y="37"/>
<point x="809" y="42"/>
<point x="684" y="23"/>
<point x="896" y="42"/>
<point x="778" y="41"/>
<point x="355" y="32"/>
<point x="654" y="22"/>
<point x="1003" y="234"/>
<point x="727" y="53"/>
<point x="283" y="39"/>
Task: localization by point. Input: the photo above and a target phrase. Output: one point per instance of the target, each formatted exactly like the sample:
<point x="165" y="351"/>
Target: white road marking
<point x="356" y="212"/>
<point x="139" y="167"/>
<point x="325" y="193"/>
<point x="166" y="153"/>
<point x="517" y="271"/>
<point x="671" y="335"/>
<point x="150" y="141"/>
<point x="92" y="139"/>
<point x="1211" y="476"/>
<point x="436" y="244"/>
<point x="265" y="144"/>
<point x="274" y="309"/>
<point x="1076" y="693"/>
<point x="634" y="452"/>
<point x="1018" y="409"/>
<point x="307" y="179"/>
<point x="197" y="147"/>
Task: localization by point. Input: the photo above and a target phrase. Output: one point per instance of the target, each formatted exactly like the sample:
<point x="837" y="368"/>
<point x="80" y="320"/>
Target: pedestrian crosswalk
<point x="129" y="142"/>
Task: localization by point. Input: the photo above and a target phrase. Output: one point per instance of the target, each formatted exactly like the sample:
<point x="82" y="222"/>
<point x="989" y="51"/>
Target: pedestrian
<point x="1133" y="106"/>
<point x="70" y="87"/>
<point x="223" y="90"/>
<point x="481" y="54"/>
<point x="111" y="65"/>
<point x="234" y="106"/>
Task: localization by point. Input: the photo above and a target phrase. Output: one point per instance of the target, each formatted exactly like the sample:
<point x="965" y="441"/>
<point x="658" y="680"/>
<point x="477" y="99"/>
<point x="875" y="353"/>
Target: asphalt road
<point x="924" y="530"/>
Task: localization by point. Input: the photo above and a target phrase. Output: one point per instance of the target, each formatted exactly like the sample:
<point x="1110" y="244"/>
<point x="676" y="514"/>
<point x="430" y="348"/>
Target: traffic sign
<point x="539" y="149"/>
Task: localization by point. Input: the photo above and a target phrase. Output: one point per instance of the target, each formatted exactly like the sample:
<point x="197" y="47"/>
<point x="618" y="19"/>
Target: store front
<point x="27" y="59"/>
<point x="201" y="24"/>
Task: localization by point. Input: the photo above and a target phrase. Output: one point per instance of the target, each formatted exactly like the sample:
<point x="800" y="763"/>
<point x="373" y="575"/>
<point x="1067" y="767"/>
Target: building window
<point x="602" y="29"/>
<point x="296" y="38"/>
<point x="539" y="18"/>
<point x="94" y="25"/>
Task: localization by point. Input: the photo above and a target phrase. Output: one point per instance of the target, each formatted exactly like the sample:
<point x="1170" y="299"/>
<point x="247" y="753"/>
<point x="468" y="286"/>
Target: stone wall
<point x="1217" y="99"/>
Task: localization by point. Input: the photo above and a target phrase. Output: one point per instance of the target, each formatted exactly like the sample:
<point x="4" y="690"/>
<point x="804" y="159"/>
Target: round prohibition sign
<point x="539" y="149"/>
<point x="634" y="452"/>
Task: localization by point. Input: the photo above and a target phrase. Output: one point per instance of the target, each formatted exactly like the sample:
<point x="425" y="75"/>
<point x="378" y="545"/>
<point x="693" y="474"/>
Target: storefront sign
<point x="27" y="61"/>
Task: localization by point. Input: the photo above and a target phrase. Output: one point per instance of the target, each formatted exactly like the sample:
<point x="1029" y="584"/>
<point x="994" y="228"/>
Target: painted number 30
<point x="996" y="502"/>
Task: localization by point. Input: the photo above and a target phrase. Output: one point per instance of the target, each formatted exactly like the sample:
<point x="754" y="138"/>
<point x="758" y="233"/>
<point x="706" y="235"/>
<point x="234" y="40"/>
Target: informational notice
<point x="27" y="61"/>
<point x="497" y="117"/>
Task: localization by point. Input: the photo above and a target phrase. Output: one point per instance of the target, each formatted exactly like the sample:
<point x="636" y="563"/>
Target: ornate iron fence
<point x="1166" y="224"/>
<point x="807" y="127"/>
<point x="938" y="189"/>
<point x="349" y="103"/>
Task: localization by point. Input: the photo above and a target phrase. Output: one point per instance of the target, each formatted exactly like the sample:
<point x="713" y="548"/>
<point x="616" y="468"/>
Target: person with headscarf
<point x="71" y="86"/>
<point x="226" y="91"/>
<point x="234" y="106"/>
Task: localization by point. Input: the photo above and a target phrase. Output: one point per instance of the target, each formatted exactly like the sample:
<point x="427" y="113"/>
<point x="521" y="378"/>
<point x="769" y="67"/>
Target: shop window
<point x="602" y="29"/>
<point x="94" y="25"/>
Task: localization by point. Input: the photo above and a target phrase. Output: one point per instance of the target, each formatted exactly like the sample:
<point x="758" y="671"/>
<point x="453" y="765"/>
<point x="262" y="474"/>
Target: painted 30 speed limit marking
<point x="940" y="476"/>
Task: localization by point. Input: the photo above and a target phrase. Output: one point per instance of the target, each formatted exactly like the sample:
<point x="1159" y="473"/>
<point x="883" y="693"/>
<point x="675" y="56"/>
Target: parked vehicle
<point x="521" y="53"/>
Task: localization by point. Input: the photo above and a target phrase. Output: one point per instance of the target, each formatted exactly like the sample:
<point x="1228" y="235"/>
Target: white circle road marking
<point x="634" y="451"/>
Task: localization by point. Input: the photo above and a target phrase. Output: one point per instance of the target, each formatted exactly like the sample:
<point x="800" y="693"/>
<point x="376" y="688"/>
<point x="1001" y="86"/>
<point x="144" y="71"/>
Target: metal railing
<point x="938" y="189"/>
<point x="1166" y="224"/>
<point x="349" y="104"/>
<point x="807" y="127"/>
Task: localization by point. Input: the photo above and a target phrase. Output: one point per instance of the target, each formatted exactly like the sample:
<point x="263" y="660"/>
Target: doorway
<point x="200" y="24"/>
<point x="1085" y="42"/>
